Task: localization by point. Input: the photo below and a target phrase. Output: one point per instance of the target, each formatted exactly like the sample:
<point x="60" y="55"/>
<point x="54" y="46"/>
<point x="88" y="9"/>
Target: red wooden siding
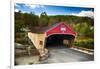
<point x="61" y="28"/>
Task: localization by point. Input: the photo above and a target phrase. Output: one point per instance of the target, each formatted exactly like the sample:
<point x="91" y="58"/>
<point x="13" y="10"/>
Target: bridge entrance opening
<point x="59" y="40"/>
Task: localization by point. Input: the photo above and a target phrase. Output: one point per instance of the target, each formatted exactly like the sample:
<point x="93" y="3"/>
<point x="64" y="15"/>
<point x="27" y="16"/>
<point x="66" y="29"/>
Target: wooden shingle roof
<point x="42" y="29"/>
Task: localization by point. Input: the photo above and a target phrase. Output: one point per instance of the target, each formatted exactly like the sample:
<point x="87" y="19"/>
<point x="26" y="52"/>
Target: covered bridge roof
<point x="58" y="28"/>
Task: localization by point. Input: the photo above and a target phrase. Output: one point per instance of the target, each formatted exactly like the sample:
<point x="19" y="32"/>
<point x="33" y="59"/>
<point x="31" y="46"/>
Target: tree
<point x="31" y="19"/>
<point x="44" y="20"/>
<point x="19" y="23"/>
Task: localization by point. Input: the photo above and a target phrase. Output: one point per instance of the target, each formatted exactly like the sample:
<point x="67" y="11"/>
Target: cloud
<point x="16" y="10"/>
<point x="34" y="6"/>
<point x="85" y="14"/>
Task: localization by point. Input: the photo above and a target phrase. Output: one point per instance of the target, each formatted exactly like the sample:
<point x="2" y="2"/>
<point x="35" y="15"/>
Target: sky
<point x="54" y="10"/>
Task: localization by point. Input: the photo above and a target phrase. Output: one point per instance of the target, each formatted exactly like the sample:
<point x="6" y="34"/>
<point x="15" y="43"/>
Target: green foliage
<point x="25" y="20"/>
<point x="87" y="43"/>
<point x="31" y="19"/>
<point x="19" y="24"/>
<point x="22" y="38"/>
<point x="84" y="29"/>
<point x="43" y="19"/>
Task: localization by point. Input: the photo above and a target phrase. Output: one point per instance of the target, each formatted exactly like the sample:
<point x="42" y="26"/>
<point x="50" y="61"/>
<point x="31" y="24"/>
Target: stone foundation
<point x="43" y="54"/>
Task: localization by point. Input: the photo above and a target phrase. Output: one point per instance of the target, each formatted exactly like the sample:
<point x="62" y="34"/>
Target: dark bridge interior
<point x="57" y="39"/>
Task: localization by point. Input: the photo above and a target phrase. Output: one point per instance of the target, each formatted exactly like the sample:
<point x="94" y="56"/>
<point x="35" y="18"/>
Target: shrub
<point x="87" y="43"/>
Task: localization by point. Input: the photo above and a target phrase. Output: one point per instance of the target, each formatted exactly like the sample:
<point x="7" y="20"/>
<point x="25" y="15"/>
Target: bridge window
<point x="41" y="42"/>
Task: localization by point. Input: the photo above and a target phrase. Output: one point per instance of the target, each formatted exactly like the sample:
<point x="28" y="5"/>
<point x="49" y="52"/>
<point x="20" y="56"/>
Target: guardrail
<point x="84" y="49"/>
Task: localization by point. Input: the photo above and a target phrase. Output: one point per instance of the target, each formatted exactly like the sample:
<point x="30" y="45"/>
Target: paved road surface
<point x="57" y="54"/>
<point x="62" y="54"/>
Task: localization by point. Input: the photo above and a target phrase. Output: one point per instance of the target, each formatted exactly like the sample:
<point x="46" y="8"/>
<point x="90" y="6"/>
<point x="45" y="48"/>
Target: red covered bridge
<point x="59" y="33"/>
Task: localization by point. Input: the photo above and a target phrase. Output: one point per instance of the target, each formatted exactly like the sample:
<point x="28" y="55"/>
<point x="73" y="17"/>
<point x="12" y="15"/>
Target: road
<point x="57" y="54"/>
<point x="62" y="54"/>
